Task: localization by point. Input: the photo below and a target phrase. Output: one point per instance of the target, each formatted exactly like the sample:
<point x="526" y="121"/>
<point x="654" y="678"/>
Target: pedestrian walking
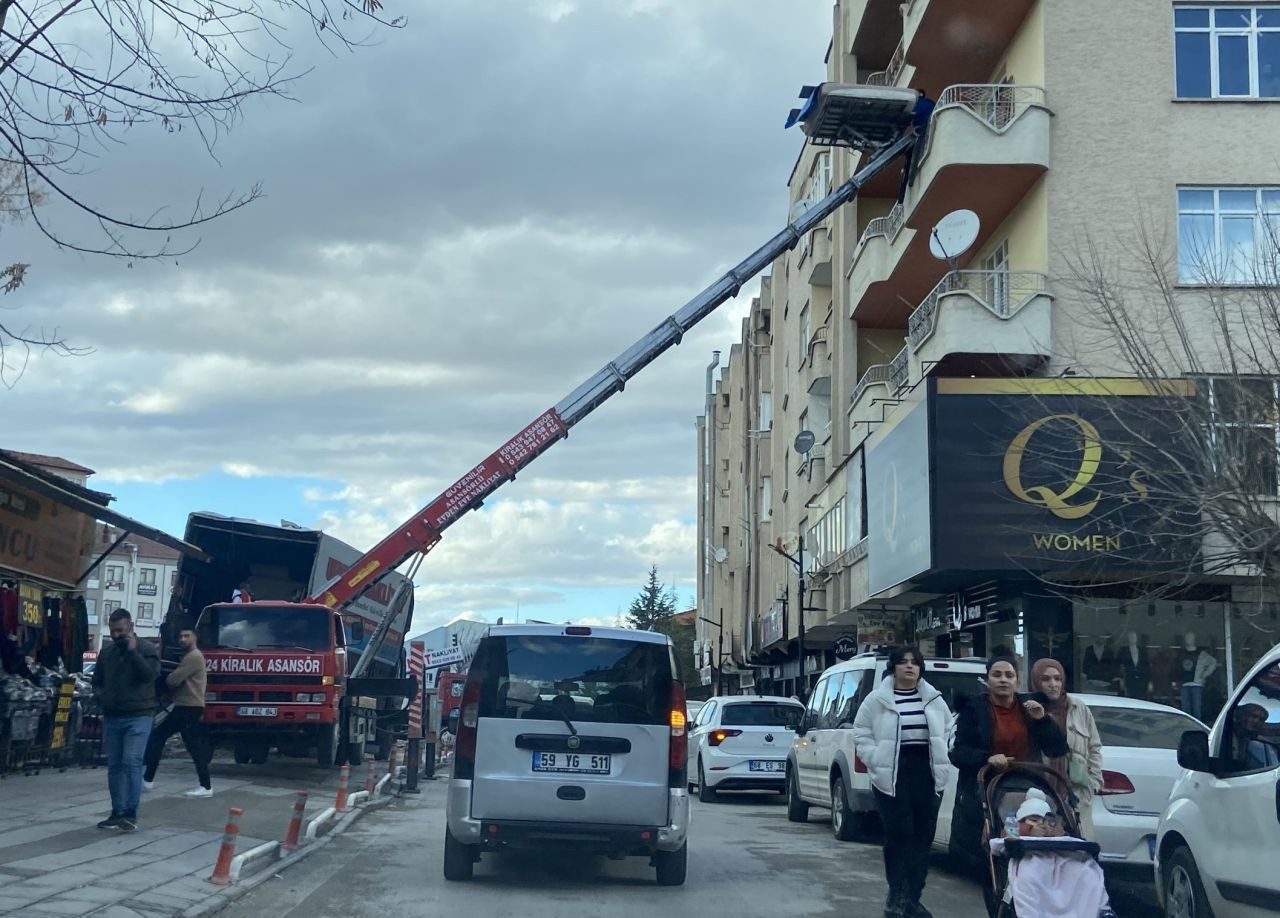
<point x="187" y="683"/>
<point x="124" y="682"/>
<point x="902" y="732"/>
<point x="1082" y="765"/>
<point x="996" y="728"/>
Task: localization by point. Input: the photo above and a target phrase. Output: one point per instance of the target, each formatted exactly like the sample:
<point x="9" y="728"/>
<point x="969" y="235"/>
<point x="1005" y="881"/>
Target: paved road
<point x="745" y="860"/>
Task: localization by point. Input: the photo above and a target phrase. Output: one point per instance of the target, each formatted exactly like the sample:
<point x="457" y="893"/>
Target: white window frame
<point x="1218" y="423"/>
<point x="147" y="575"/>
<point x="146" y="612"/>
<point x="806" y="329"/>
<point x="115" y="573"/>
<point x="766" y="497"/>
<point x="997" y="263"/>
<point x="1215" y="32"/>
<point x="766" y="411"/>
<point x="1265" y="241"/>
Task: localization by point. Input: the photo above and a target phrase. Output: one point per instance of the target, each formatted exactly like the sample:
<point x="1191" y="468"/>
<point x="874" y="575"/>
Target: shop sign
<point x="38" y="536"/>
<point x="30" y="611"/>
<point x="879" y="628"/>
<point x="846" y="645"/>
<point x="1037" y="474"/>
<point x="771" y="627"/>
<point x="928" y="621"/>
<point x="704" y="676"/>
<point x="898" y="497"/>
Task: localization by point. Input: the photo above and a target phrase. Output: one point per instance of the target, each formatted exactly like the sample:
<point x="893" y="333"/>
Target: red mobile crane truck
<point x="883" y="123"/>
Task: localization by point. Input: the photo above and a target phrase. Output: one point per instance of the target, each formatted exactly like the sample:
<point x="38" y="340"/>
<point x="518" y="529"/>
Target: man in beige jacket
<point x="187" y="683"/>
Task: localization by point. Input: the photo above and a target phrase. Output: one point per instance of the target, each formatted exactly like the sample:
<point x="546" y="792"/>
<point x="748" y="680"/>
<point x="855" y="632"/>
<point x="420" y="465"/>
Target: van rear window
<point x="587" y="679"/>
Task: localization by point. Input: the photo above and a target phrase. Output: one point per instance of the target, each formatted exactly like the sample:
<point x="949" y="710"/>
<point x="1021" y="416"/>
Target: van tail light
<point x="1113" y="783"/>
<point x="719" y="736"/>
<point x="678" y="762"/>
<point x="859" y="766"/>
<point x="464" y="747"/>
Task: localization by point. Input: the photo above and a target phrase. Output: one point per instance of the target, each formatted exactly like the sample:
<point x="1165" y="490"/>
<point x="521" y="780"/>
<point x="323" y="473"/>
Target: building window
<point x="146" y="611"/>
<point x="109" y="606"/>
<point x="1227" y="52"/>
<point x="173" y="580"/>
<point x="1228" y="235"/>
<point x="91" y="610"/>
<point x="147" y="575"/>
<point x="115" y="577"/>
<point x="1244" y="430"/>
<point x="805" y="331"/>
<point x="997" y="267"/>
<point x="766" y="497"/>
<point x="766" y="411"/>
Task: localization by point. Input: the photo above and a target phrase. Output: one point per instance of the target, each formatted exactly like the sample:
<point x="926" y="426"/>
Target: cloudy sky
<point x="461" y="222"/>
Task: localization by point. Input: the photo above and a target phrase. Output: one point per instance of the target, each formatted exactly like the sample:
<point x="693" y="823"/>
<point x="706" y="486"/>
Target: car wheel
<point x="845" y="823"/>
<point x="1184" y="895"/>
<point x="458" y="859"/>
<point x="705" y="794"/>
<point x="672" y="866"/>
<point x="797" y="809"/>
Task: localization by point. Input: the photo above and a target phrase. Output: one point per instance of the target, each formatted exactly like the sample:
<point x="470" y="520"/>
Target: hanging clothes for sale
<point x="75" y="631"/>
<point x="51" y="640"/>
<point x="9" y="607"/>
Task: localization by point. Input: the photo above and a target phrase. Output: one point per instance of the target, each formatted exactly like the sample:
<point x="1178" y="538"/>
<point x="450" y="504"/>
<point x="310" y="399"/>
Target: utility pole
<point x="719" y="649"/>
<point x="801" y="608"/>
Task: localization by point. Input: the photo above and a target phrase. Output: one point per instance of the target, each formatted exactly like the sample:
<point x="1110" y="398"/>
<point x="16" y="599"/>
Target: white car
<point x="1218" y="844"/>
<point x="1139" y="767"/>
<point x="740" y="742"/>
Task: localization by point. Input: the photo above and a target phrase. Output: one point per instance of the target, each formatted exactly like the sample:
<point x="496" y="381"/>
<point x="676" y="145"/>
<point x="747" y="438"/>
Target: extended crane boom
<point x="421" y="533"/>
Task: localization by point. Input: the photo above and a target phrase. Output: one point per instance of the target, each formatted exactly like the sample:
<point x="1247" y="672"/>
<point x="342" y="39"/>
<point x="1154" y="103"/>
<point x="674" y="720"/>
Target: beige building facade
<point x="1072" y="131"/>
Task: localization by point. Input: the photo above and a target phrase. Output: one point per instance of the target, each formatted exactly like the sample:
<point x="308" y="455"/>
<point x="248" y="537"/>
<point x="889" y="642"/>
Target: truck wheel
<point x="355" y="753"/>
<point x="242" y="753"/>
<point x="672" y="865"/>
<point x="327" y="743"/>
<point x="383" y="750"/>
<point x="259" y="753"/>
<point x="459" y="862"/>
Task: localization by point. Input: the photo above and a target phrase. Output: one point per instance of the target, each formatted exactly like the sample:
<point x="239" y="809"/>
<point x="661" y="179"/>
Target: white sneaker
<point x="148" y="785"/>
<point x="199" y="792"/>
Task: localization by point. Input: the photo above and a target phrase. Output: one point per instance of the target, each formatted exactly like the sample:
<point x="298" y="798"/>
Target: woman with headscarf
<point x="1082" y="765"/>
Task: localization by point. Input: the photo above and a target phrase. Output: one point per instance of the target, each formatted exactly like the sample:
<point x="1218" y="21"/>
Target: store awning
<point x="87" y="501"/>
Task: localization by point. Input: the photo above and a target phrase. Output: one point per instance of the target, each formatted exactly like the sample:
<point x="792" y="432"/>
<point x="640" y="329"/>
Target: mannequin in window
<point x="1195" y="666"/>
<point x="1135" y="668"/>
<point x="1099" y="662"/>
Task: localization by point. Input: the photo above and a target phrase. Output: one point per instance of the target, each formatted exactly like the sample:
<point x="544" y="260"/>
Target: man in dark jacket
<point x="995" y="729"/>
<point x="124" y="682"/>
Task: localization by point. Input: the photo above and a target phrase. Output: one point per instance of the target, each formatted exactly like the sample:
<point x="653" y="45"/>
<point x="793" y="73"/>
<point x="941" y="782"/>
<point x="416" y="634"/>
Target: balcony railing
<point x="879" y="373"/>
<point x="1001" y="292"/>
<point x="899" y="370"/>
<point x="888" y="226"/>
<point x="998" y="104"/>
<point x="889" y="75"/>
<point x="819" y="337"/>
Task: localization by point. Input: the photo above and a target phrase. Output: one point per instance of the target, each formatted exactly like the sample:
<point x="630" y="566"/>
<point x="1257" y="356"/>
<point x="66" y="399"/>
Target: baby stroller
<point x="1040" y="863"/>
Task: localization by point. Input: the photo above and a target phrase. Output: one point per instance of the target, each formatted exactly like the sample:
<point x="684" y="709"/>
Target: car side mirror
<point x="803" y="727"/>
<point x="1193" y="751"/>
<point x="451" y="724"/>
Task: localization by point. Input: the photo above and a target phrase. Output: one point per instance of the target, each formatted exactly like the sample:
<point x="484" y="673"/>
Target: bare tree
<point x="1195" y="474"/>
<point x="77" y="77"/>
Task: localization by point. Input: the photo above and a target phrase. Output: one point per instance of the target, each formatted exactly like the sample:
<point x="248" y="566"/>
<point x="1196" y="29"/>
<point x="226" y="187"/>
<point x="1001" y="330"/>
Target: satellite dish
<point x="720" y="555"/>
<point x="954" y="234"/>
<point x="804" y="441"/>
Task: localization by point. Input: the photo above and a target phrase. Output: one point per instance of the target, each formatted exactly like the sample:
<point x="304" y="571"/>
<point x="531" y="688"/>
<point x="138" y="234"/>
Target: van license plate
<point x="572" y="763"/>
<point x="256" y="712"/>
<point x="757" y="765"/>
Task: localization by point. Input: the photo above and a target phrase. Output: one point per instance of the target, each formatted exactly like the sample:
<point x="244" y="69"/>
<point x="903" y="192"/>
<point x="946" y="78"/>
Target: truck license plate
<point x="571" y="763"/>
<point x="758" y="765"/>
<point x="252" y="711"/>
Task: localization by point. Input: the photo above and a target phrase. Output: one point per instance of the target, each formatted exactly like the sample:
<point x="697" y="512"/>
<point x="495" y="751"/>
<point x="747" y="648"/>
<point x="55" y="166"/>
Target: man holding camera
<point x="124" y="681"/>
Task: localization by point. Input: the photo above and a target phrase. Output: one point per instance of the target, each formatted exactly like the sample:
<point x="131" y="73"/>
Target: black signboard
<point x="845" y="646"/>
<point x="1059" y="473"/>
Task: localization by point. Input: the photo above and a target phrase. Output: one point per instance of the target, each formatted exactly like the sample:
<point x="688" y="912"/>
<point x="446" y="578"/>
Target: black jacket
<point x="975" y="724"/>
<point x="124" y="680"/>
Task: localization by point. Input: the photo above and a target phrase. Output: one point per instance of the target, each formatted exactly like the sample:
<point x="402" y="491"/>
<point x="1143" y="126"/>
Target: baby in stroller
<point x="1048" y="870"/>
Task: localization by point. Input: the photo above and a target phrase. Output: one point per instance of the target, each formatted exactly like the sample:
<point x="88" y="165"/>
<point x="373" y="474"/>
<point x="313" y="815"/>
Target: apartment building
<point x="138" y="574"/>
<point x="874" y="424"/>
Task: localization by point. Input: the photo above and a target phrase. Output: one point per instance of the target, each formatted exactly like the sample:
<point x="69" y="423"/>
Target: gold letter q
<point x="1056" y="503"/>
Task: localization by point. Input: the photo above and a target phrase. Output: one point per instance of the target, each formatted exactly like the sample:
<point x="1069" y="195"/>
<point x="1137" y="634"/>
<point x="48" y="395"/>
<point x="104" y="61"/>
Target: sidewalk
<point x="55" y="861"/>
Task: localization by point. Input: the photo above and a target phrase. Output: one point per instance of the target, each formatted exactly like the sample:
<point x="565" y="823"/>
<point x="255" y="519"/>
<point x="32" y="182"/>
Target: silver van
<point x="570" y="736"/>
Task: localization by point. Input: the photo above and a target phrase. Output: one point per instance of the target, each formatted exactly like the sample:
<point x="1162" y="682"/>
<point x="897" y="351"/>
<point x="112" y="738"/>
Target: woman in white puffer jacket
<point x="902" y="734"/>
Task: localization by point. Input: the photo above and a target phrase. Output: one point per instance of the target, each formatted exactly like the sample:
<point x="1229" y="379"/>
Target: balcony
<point x="948" y="42"/>
<point x="982" y="323"/>
<point x="986" y="148"/>
<point x="892" y="71"/>
<point x="819" y="256"/>
<point x="874" y="28"/>
<point x="892" y="376"/>
<point x="819" y="358"/>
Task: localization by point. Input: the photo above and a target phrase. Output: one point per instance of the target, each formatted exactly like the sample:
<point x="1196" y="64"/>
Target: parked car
<point x="1139" y="768"/>
<point x="600" y="767"/>
<point x="1217" y="844"/>
<point x="822" y="768"/>
<point x="740" y="742"/>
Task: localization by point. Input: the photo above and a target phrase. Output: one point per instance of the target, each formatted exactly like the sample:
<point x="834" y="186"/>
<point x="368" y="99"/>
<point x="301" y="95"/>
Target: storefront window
<point x="1173" y="653"/>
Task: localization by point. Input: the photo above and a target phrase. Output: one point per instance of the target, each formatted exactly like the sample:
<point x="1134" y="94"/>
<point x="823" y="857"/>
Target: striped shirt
<point x="915" y="729"/>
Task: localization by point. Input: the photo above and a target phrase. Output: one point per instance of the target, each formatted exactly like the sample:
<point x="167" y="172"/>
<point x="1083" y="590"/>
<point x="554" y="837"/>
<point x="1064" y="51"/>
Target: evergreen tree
<point x="653" y="606"/>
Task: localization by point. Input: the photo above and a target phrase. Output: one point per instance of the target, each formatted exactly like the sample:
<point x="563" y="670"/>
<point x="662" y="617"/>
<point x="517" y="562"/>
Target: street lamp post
<point x="719" y="650"/>
<point x="801" y="608"/>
